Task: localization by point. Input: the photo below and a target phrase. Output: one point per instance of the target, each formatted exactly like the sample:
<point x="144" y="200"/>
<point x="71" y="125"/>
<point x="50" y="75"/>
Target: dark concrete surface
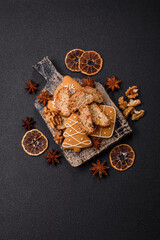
<point x="38" y="201"/>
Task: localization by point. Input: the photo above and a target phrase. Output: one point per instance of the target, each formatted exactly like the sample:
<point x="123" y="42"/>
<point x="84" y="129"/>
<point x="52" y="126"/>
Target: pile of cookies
<point x="75" y="112"/>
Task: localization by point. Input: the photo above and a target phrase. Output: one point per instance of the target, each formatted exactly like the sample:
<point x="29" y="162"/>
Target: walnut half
<point x="53" y="118"/>
<point x="58" y="137"/>
<point x="132" y="92"/>
<point x="122" y="104"/>
<point x="137" y="114"/>
<point x="134" y="103"/>
<point x="127" y="111"/>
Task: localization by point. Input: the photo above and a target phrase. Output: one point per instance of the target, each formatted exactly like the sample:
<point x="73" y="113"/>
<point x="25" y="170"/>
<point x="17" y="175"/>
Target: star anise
<point x="112" y="83"/>
<point x="44" y="97"/>
<point x="31" y="87"/>
<point x="52" y="156"/>
<point x="88" y="82"/>
<point x="97" y="143"/>
<point x="99" y="168"/>
<point x="28" y="123"/>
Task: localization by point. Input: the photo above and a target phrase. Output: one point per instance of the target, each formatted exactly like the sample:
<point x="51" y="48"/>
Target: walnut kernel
<point x="132" y="92"/>
<point x="134" y="103"/>
<point x="122" y="104"/>
<point x="58" y="137"/>
<point x="53" y="118"/>
<point x="62" y="125"/>
<point x="127" y="111"/>
<point x="137" y="115"/>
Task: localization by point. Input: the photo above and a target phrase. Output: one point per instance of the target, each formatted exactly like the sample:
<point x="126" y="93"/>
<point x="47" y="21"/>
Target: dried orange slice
<point x="34" y="142"/>
<point x="90" y="63"/>
<point x="72" y="59"/>
<point x="122" y="157"/>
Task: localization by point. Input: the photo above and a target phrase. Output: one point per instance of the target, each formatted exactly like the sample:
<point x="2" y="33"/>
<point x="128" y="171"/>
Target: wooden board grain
<point x="122" y="128"/>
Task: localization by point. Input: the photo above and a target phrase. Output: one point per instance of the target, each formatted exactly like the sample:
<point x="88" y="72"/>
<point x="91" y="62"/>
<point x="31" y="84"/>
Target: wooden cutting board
<point x="122" y="128"/>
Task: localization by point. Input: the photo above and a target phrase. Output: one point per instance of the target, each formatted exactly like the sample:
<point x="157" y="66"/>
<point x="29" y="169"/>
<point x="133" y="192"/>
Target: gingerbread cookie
<point x="51" y="106"/>
<point x="75" y="137"/>
<point x="106" y="132"/>
<point x="69" y="82"/>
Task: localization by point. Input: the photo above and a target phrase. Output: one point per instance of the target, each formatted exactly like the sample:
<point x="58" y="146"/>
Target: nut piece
<point x="61" y="126"/>
<point x="58" y="138"/>
<point x="53" y="118"/>
<point x="134" y="103"/>
<point x="127" y="111"/>
<point x="132" y="92"/>
<point x="122" y="104"/>
<point x="137" y="114"/>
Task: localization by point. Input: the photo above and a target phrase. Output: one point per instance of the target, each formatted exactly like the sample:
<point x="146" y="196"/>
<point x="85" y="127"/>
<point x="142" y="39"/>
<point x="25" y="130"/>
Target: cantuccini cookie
<point x="79" y="98"/>
<point x="85" y="120"/>
<point x="98" y="98"/>
<point x="98" y="117"/>
<point x="62" y="101"/>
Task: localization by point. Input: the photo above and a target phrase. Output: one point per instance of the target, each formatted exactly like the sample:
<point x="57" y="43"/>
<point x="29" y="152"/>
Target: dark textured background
<point x="38" y="201"/>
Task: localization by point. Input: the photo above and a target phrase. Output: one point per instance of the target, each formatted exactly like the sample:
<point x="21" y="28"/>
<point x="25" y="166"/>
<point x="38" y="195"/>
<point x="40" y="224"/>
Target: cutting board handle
<point x="48" y="71"/>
